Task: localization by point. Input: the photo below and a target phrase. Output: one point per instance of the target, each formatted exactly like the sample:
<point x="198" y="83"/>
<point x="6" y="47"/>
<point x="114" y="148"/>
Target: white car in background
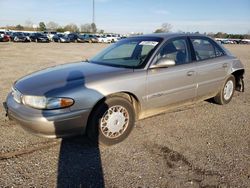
<point x="113" y="37"/>
<point x="51" y="35"/>
<point x="103" y="39"/>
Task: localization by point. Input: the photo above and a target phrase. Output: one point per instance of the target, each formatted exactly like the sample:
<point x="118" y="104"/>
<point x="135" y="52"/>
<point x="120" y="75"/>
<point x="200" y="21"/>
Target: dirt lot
<point x="205" y="145"/>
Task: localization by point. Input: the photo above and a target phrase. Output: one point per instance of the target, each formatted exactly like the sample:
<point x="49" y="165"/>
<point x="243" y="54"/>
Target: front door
<point x="172" y="85"/>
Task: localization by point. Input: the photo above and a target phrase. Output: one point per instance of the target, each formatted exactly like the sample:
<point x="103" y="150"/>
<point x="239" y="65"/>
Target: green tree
<point x="93" y="28"/>
<point x="101" y="31"/>
<point x="42" y="26"/>
<point x="72" y="28"/>
<point x="52" y="26"/>
<point x="86" y="28"/>
<point x="19" y="27"/>
<point x="221" y="35"/>
<point x="60" y="30"/>
<point x="165" y="28"/>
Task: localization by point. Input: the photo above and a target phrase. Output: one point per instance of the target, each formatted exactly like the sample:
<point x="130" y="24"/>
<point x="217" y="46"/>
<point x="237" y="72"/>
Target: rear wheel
<point x="227" y="91"/>
<point x="112" y="121"/>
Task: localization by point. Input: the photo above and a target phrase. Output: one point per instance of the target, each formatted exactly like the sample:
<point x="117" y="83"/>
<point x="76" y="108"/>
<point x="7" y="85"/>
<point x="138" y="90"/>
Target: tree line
<point x="231" y="36"/>
<point x="53" y="26"/>
<point x="166" y="28"/>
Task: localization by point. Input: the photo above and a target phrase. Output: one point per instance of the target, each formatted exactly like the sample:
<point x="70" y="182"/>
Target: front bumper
<point x="20" y="40"/>
<point x="42" y="40"/>
<point x="47" y="123"/>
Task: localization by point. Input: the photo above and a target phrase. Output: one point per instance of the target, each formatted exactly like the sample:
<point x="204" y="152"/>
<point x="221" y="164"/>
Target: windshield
<point x="128" y="53"/>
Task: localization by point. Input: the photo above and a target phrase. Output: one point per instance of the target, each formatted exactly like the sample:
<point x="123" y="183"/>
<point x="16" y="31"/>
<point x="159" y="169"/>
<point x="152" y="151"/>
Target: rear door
<point x="211" y="65"/>
<point x="171" y="85"/>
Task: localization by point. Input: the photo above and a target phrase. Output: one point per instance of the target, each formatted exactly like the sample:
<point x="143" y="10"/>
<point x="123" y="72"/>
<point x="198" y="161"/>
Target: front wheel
<point x="111" y="121"/>
<point x="227" y="91"/>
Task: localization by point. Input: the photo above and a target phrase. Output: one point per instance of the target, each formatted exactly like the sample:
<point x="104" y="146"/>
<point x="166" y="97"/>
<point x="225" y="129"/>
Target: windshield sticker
<point x="149" y="43"/>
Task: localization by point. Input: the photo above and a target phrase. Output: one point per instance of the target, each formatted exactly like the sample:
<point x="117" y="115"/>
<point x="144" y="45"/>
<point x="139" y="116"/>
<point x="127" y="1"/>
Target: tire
<point x="227" y="91"/>
<point x="101" y="125"/>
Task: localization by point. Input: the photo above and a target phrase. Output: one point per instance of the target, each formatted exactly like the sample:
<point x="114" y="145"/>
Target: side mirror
<point x="163" y="63"/>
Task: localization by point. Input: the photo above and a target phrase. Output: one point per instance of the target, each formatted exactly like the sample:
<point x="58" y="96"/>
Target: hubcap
<point x="114" y="121"/>
<point x="228" y="90"/>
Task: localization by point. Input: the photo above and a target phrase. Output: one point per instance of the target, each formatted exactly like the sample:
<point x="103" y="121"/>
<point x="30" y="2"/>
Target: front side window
<point x="176" y="50"/>
<point x="129" y="53"/>
<point x="205" y="49"/>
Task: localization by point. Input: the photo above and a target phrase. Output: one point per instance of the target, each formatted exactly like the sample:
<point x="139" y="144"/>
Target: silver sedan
<point x="132" y="79"/>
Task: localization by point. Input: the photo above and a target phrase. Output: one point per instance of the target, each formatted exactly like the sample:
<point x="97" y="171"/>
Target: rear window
<point x="205" y="49"/>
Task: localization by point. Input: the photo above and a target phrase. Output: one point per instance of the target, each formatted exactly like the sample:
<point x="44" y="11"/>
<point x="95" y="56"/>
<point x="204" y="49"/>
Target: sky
<point x="126" y="16"/>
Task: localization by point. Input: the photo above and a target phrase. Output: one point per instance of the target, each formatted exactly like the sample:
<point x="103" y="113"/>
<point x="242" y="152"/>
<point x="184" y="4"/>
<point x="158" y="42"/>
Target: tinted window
<point x="176" y="50"/>
<point x="205" y="49"/>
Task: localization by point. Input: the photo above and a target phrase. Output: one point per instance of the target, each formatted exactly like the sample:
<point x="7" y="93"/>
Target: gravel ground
<point x="203" y="145"/>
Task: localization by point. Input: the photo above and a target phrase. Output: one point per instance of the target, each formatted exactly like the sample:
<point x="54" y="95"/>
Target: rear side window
<point x="205" y="49"/>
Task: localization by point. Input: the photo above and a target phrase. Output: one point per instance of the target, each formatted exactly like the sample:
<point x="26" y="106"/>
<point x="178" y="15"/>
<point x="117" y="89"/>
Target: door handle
<point x="190" y="73"/>
<point x="225" y="65"/>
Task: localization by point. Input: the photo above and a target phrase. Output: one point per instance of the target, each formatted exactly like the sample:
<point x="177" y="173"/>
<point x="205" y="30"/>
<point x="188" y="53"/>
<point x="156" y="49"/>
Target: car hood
<point x="46" y="81"/>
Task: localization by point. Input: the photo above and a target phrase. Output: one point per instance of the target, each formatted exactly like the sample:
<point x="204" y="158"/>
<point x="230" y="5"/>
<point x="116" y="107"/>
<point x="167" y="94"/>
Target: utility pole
<point x="93" y="18"/>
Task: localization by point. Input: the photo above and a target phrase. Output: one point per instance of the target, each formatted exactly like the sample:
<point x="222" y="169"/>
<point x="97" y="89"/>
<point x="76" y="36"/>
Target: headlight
<point x="41" y="102"/>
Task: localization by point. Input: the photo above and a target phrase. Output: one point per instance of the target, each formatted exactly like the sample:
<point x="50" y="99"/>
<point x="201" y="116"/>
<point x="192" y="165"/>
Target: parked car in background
<point x="19" y="37"/>
<point x="90" y="38"/>
<point x="39" y="37"/>
<point x="5" y="36"/>
<point x="228" y="41"/>
<point x="103" y="39"/>
<point x="73" y="37"/>
<point x="80" y="38"/>
<point x="132" y="79"/>
<point x="112" y="37"/>
<point x="245" y="41"/>
<point x="28" y="36"/>
<point x="60" y="38"/>
<point x="123" y="37"/>
<point x="50" y="35"/>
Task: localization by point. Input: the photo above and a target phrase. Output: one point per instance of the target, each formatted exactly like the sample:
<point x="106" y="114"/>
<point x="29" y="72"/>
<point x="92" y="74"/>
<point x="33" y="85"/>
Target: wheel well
<point x="132" y="98"/>
<point x="238" y="75"/>
<point x="129" y="96"/>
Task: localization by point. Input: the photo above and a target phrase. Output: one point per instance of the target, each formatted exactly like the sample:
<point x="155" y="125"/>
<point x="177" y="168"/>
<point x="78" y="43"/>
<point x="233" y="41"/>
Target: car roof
<point x="170" y="35"/>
